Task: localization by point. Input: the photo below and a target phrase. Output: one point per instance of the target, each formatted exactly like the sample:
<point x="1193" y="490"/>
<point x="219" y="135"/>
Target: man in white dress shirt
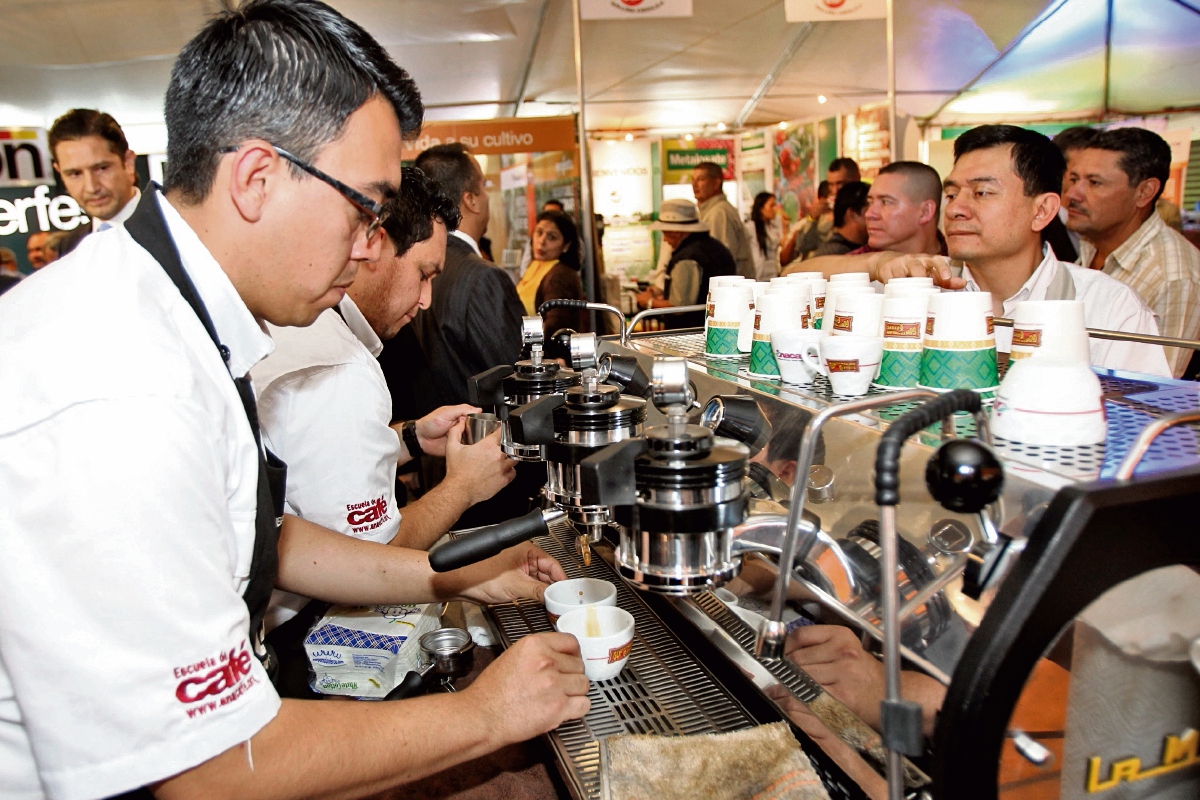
<point x="96" y="165"/>
<point x="1003" y="191"/>
<point x="138" y="512"/>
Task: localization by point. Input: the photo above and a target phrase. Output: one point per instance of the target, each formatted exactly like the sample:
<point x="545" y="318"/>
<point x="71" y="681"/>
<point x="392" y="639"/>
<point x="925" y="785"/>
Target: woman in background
<point x="554" y="272"/>
<point x="765" y="229"/>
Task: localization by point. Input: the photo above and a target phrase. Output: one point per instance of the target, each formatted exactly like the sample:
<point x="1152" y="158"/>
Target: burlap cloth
<point x="763" y="763"/>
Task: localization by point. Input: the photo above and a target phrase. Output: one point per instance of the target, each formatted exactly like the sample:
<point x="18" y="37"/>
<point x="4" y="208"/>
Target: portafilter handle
<point x="491" y="540"/>
<point x="626" y="374"/>
<point x="533" y="423"/>
<point x="486" y="389"/>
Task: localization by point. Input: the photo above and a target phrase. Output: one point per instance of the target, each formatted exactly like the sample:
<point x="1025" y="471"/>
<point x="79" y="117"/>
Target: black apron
<point x="148" y="228"/>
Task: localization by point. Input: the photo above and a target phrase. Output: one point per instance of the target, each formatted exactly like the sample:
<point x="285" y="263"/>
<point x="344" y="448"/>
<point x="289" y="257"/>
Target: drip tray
<point x="662" y="690"/>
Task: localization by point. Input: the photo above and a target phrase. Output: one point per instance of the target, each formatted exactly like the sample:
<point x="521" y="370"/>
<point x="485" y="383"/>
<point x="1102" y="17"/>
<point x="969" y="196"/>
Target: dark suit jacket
<point x="473" y="322"/>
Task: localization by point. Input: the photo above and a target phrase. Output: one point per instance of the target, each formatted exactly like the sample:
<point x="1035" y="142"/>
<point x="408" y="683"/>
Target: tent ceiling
<point x="469" y="57"/>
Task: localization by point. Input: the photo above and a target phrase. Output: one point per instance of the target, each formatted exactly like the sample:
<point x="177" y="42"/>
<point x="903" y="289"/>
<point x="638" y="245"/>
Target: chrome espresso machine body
<point x="981" y="595"/>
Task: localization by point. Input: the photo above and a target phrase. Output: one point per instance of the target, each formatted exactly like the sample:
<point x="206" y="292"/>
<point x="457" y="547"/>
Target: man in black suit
<point x="473" y="321"/>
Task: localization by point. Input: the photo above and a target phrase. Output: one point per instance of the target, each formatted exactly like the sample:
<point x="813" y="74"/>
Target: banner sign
<point x="498" y="136"/>
<point x="680" y="157"/>
<point x="25" y="157"/>
<point x="622" y="180"/>
<point x="634" y="9"/>
<point x="827" y="10"/>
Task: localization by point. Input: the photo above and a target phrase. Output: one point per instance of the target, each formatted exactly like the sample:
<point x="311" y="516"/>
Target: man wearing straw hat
<point x="696" y="258"/>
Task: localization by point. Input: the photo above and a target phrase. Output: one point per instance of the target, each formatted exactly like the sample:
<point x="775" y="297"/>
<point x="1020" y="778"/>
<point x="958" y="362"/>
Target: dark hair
<point x="1036" y="160"/>
<point x="1074" y="138"/>
<point x="921" y="182"/>
<point x="408" y="217"/>
<point x="452" y="168"/>
<point x="553" y="202"/>
<point x="288" y="71"/>
<point x="1144" y="155"/>
<point x="851" y="197"/>
<point x="839" y="164"/>
<point x="760" y="224"/>
<point x="80" y="122"/>
<point x="822" y="190"/>
<point x="711" y="169"/>
<point x="566" y="226"/>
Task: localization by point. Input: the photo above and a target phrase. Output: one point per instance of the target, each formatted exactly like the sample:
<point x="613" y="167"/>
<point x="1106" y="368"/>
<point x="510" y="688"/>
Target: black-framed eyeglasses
<point x="369" y="208"/>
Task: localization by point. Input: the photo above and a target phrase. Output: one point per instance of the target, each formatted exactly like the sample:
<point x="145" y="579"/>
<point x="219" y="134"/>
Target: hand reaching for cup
<point x="521" y="572"/>
<point x="907" y="265"/>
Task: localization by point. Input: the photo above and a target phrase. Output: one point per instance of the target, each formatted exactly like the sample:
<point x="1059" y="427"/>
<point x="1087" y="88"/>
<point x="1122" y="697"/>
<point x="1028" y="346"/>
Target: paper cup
<point x="1047" y="329"/>
<point x="959" y="347"/>
<point x="789" y="346"/>
<point x="860" y="314"/>
<point x="564" y="596"/>
<point x="849" y="361"/>
<point x="730" y="305"/>
<point x="832" y="292"/>
<point x="1050" y="402"/>
<point x="713" y="283"/>
<point x="851" y="278"/>
<point x="779" y="310"/>
<point x="903" y="326"/>
<point x="604" y="656"/>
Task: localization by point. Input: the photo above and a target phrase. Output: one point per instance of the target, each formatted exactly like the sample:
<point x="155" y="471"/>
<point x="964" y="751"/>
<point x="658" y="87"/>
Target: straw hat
<point x="678" y="215"/>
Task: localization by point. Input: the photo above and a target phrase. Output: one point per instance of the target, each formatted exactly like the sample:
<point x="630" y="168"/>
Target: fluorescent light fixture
<point x="1000" y="103"/>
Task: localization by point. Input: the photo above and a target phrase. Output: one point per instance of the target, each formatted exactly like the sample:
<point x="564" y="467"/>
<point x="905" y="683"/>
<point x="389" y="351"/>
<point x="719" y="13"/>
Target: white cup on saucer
<point x="849" y="361"/>
<point x="789" y="345"/>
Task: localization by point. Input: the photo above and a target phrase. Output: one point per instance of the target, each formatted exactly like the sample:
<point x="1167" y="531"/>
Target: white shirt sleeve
<point x="121" y="629"/>
<point x="1127" y="313"/>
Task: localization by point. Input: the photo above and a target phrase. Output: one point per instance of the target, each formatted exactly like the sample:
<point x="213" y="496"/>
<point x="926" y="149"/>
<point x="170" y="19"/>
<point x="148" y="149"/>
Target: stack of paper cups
<point x="842" y="283"/>
<point x="903" y="332"/>
<point x="729" y="307"/>
<point x="959" y="350"/>
<point x="713" y="283"/>
<point x="902" y="285"/>
<point x="817" y="283"/>
<point x="1048" y="329"/>
<point x="779" y="310"/>
<point x="858" y="311"/>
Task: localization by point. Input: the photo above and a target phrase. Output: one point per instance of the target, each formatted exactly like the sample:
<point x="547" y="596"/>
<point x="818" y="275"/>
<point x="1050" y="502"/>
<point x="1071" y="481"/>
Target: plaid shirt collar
<point x="1127" y="254"/>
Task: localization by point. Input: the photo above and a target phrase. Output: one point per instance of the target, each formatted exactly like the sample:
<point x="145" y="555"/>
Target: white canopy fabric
<point x="1014" y="58"/>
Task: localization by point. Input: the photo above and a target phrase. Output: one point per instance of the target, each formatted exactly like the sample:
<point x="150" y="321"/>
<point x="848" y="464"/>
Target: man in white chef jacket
<point x="1003" y="191"/>
<point x="132" y="493"/>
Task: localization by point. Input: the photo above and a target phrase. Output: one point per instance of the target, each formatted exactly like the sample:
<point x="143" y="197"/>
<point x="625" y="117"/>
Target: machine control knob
<point x="964" y="476"/>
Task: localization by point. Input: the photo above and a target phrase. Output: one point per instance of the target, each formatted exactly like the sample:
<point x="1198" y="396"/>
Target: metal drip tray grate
<point x="662" y="690"/>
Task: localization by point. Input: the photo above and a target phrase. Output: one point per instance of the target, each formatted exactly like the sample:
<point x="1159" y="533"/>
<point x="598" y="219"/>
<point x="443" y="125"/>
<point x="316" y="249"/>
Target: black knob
<point x="559" y="345"/>
<point x="964" y="476"/>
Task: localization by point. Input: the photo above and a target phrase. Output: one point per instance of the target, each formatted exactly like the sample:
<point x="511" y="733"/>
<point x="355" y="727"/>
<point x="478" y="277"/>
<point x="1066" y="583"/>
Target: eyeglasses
<point x="370" y="209"/>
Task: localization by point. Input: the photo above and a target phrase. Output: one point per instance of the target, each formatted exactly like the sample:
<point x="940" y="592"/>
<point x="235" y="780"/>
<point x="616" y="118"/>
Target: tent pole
<point x="533" y="46"/>
<point x="893" y="134"/>
<point x="587" y="222"/>
<point x="1108" y="28"/>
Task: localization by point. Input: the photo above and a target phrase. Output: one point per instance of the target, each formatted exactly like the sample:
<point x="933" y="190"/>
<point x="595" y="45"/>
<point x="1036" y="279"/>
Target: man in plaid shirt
<point x="1112" y="186"/>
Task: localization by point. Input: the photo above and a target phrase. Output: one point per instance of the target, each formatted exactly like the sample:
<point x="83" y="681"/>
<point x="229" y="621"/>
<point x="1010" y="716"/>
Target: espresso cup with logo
<point x="479" y="427"/>
<point x="789" y="346"/>
<point x="959" y="348"/>
<point x="1048" y="329"/>
<point x="779" y="310"/>
<point x="730" y="305"/>
<point x="1050" y="402"/>
<point x="849" y="361"/>
<point x="859" y="313"/>
<point x="903" y="325"/>
<point x="605" y="637"/>
<point x="564" y="596"/>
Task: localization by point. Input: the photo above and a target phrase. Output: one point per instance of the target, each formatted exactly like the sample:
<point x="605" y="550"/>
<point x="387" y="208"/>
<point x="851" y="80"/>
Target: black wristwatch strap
<point x="408" y="433"/>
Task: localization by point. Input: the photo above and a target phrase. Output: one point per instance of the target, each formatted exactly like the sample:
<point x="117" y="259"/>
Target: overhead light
<point x="783" y="126"/>
<point x="1001" y="103"/>
<point x="822" y="99"/>
<point x="629" y="137"/>
<point x="720" y="126"/>
<point x="688" y="137"/>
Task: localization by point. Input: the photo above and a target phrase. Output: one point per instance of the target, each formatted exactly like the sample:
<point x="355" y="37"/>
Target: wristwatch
<point x="408" y="434"/>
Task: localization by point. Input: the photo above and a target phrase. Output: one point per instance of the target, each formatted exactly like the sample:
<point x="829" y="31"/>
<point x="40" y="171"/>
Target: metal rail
<point x="1146" y="438"/>
<point x="1122" y="336"/>
<point x="656" y="312"/>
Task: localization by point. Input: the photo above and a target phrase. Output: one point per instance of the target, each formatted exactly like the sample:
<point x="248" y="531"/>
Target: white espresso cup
<point x="858" y="313"/>
<point x="1049" y="402"/>
<point x="790" y="345"/>
<point x="1047" y="329"/>
<point x="564" y="596"/>
<point x="849" y="361"/>
<point x="605" y="637"/>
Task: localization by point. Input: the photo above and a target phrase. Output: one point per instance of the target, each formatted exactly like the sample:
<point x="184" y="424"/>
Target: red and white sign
<point x="634" y="9"/>
<point x="833" y="10"/>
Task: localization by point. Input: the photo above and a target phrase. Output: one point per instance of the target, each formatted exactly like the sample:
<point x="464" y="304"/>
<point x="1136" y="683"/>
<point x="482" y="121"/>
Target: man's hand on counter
<point x="888" y="265"/>
<point x="835" y="658"/>
<point x="476" y="471"/>
<point x="533" y="687"/>
<point x="519" y="573"/>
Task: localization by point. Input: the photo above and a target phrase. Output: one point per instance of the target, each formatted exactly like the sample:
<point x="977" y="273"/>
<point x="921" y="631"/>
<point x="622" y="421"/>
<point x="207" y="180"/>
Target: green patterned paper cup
<point x="947" y="365"/>
<point x="762" y="359"/>
<point x="899" y="369"/>
<point x="722" y="339"/>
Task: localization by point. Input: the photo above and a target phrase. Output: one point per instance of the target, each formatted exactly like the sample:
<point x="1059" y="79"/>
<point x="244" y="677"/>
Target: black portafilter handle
<point x="887" y="455"/>
<point x="606" y="478"/>
<point x="626" y="374"/>
<point x="486" y="390"/>
<point x="488" y="541"/>
<point x="533" y="423"/>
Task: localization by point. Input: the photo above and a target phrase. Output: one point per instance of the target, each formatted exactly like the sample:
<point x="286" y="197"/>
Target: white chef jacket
<point x="1107" y="304"/>
<point x="127" y="524"/>
<point x="324" y="408"/>
<point x="119" y="218"/>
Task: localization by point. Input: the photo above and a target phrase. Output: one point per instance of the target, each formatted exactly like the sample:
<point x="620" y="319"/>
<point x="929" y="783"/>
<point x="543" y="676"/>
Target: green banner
<point x="688" y="159"/>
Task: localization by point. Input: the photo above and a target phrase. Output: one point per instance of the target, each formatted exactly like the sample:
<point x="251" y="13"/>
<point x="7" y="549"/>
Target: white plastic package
<point x="364" y="651"/>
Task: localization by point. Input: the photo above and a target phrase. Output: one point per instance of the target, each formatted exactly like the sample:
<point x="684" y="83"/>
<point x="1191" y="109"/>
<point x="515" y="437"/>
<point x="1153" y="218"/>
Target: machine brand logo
<point x="1179" y="752"/>
<point x="901" y="330"/>
<point x="367" y="515"/>
<point x="618" y="653"/>
<point x="1027" y="338"/>
<point x="929" y="326"/>
<point x="227" y="680"/>
<point x="843" y="322"/>
<point x="843" y="366"/>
